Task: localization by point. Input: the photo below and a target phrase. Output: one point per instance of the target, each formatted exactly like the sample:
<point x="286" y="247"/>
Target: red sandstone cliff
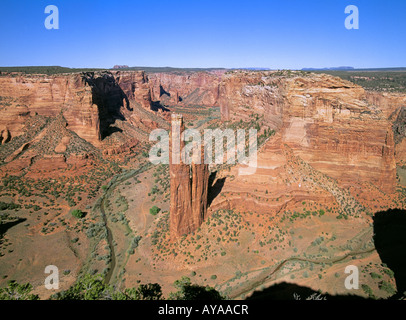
<point x="186" y="88"/>
<point x="331" y="136"/>
<point x="326" y="128"/>
<point x="87" y="101"/>
<point x="27" y="95"/>
<point x="326" y="121"/>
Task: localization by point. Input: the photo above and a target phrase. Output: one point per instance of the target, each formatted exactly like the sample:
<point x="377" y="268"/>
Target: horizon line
<point x="340" y="68"/>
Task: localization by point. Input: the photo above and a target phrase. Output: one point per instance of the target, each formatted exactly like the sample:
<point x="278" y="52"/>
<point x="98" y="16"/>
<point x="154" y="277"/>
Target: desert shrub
<point x="375" y="275"/>
<point x="389" y="272"/>
<point x="154" y="210"/>
<point x="386" y="286"/>
<point x="368" y="290"/>
<point x="189" y="291"/>
<point x="78" y="213"/>
<point x="135" y="242"/>
<point x="8" y="206"/>
<point x="15" y="291"/>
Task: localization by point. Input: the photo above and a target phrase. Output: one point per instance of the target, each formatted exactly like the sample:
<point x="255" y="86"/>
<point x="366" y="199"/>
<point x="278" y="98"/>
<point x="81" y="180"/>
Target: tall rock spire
<point x="189" y="184"/>
<point x="200" y="180"/>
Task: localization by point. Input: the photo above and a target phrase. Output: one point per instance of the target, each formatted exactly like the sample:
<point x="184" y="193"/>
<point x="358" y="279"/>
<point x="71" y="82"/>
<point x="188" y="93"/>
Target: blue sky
<point x="274" y="34"/>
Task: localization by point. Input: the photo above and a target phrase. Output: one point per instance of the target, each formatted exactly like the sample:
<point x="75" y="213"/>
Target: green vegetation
<point x="154" y="210"/>
<point x="93" y="287"/>
<point x="49" y="70"/>
<point x="378" y="80"/>
<point x="368" y="291"/>
<point x="389" y="272"/>
<point x="15" y="291"/>
<point x="386" y="286"/>
<point x="9" y="206"/>
<point x="161" y="176"/>
<point x="134" y="244"/>
<point x="189" y="291"/>
<point x="78" y="213"/>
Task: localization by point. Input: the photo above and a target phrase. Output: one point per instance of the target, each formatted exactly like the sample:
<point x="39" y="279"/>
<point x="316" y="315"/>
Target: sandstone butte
<point x="331" y="137"/>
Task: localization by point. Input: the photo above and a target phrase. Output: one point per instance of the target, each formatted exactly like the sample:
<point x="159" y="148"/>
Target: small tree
<point x="149" y="291"/>
<point x="16" y="291"/>
<point x="78" y="213"/>
<point x="189" y="291"/>
<point x="154" y="210"/>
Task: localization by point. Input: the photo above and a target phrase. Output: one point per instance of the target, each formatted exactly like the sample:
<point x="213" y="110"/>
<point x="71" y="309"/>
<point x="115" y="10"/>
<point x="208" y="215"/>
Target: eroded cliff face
<point x="243" y="94"/>
<point x="60" y="125"/>
<point x="331" y="135"/>
<point x="189" y="185"/>
<point x="27" y="95"/>
<point x="116" y="94"/>
<point x="393" y="107"/>
<point x="89" y="102"/>
<point x="399" y="131"/>
<point x="186" y="88"/>
<point x="331" y="126"/>
<point x="326" y="127"/>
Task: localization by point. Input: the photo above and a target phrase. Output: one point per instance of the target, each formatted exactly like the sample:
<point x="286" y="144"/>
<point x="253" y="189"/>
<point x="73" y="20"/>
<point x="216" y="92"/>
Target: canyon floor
<point x="124" y="234"/>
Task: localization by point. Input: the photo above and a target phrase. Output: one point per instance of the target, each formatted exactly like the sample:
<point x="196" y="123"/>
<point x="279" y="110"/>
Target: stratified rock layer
<point x="186" y="88"/>
<point x="332" y="137"/>
<point x="326" y="121"/>
<point x="89" y="102"/>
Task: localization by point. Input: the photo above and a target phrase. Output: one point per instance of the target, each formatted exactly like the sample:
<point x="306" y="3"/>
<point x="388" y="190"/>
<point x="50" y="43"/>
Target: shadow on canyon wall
<point x="390" y="243"/>
<point x="162" y="91"/>
<point x="110" y="99"/>
<point x="7" y="225"/>
<point x="214" y="187"/>
<point x="156" y="105"/>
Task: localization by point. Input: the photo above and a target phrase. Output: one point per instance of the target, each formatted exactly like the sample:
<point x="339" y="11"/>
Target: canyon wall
<point x="393" y="105"/>
<point x="186" y="88"/>
<point x="89" y="102"/>
<point x="331" y="136"/>
<point x="326" y="121"/>
<point x="330" y="133"/>
<point x="26" y="95"/>
<point x="244" y="93"/>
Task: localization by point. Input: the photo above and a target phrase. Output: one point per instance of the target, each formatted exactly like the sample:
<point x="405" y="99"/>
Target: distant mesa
<point x="124" y="66"/>
<point x="331" y="69"/>
<point x="252" y="68"/>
